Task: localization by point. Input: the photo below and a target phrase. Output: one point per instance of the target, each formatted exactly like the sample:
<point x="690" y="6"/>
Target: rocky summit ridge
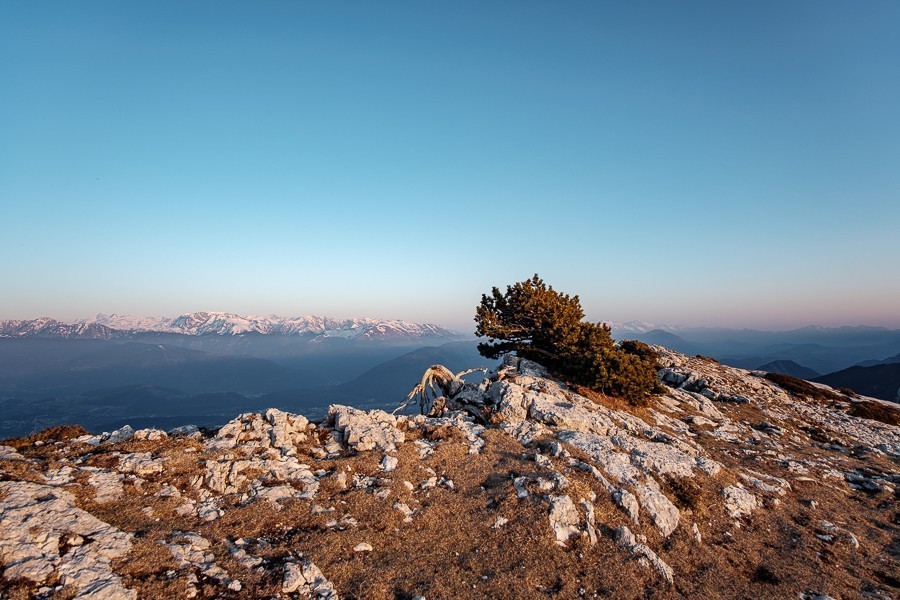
<point x="726" y="485"/>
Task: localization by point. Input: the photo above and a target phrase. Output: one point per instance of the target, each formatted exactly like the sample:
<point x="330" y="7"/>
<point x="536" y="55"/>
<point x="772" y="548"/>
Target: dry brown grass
<point x="450" y="549"/>
<point x="58" y="433"/>
<point x="615" y="402"/>
<point x="688" y="494"/>
<point x="20" y="470"/>
<point x="799" y="387"/>
<point x="875" y="411"/>
<point x="708" y="359"/>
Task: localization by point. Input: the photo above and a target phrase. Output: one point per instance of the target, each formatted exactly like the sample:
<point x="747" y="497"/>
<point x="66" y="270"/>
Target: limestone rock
<point x="554" y="449"/>
<point x="34" y="519"/>
<point x="388" y="463"/>
<point x="563" y="518"/>
<point x="140" y="463"/>
<point x="278" y="430"/>
<point x="191" y="550"/>
<point x="590" y="520"/>
<point x="461" y="421"/>
<point x="405" y="510"/>
<point x="287" y="430"/>
<point x="766" y="483"/>
<point x="662" y="511"/>
<point x="521" y="490"/>
<point x="293" y="578"/>
<point x="361" y="430"/>
<point x="107" y="484"/>
<point x="306" y="579"/>
<point x="510" y="401"/>
<point x="738" y="501"/>
<point x="525" y="431"/>
<point x="151" y="435"/>
<point x="185" y="430"/>
<point x="263" y="454"/>
<point x="626" y="539"/>
<point x="629" y="468"/>
<point x="627" y="502"/>
<point x="59" y="476"/>
<point x="120" y="435"/>
<point x="8" y="453"/>
<point x="246" y="560"/>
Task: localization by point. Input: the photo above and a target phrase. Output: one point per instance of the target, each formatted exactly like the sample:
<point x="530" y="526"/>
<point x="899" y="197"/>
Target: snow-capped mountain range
<point x="220" y="323"/>
<point x="630" y="327"/>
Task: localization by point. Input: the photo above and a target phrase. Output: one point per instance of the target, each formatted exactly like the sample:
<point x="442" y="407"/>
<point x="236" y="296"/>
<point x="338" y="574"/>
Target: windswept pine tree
<point x="536" y="322"/>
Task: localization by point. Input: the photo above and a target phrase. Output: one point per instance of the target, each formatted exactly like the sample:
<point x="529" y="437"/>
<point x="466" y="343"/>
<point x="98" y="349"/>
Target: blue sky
<point x="687" y="163"/>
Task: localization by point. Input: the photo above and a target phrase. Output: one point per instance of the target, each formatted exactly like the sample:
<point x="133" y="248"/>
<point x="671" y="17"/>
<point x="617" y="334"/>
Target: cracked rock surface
<point x="38" y="522"/>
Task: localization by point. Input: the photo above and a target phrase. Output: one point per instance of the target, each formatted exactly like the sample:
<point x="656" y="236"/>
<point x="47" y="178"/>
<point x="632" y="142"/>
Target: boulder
<point x="563" y="518"/>
<point x="361" y="430"/>
<point x="738" y="501"/>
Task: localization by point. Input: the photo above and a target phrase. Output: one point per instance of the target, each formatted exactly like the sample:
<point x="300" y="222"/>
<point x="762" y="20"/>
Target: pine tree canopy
<point x="536" y="322"/>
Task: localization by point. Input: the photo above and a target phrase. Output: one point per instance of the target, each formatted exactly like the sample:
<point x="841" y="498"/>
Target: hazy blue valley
<point x="103" y="378"/>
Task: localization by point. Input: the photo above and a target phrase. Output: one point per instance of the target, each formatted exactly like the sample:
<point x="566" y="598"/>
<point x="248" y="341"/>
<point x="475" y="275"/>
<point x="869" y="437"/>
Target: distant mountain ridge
<point x="789" y="367"/>
<point x="223" y="324"/>
<point x="822" y="349"/>
<point x="45" y="327"/>
<point x="890" y="360"/>
<point x="878" y="381"/>
<point x="633" y="327"/>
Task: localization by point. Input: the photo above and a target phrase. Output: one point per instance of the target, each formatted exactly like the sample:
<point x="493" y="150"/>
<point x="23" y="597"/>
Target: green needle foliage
<point x="538" y="323"/>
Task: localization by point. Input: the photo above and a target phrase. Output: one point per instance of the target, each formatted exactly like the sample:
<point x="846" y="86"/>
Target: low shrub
<point x="538" y="323"/>
<point x="59" y="432"/>
<point x="876" y="411"/>
<point x="639" y="349"/>
<point x="799" y="387"/>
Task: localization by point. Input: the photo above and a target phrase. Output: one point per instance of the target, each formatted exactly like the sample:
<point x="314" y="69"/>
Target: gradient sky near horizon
<point x="695" y="163"/>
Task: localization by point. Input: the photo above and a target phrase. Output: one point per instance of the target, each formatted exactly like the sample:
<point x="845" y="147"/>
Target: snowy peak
<point x="45" y="327"/>
<point x="633" y="327"/>
<point x="128" y="323"/>
<point x="202" y="323"/>
<point x="221" y="323"/>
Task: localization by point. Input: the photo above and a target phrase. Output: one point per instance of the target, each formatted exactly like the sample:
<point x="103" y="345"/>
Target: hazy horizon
<point x="691" y="164"/>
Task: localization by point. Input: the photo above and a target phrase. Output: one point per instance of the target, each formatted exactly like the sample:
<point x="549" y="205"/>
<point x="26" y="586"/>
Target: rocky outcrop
<point x="626" y="539"/>
<point x="10" y="454"/>
<point x="191" y="551"/>
<point x="522" y="463"/>
<point x="563" y="518"/>
<point x="738" y="501"/>
<point x="361" y="430"/>
<point x="140" y="463"/>
<point x="107" y="484"/>
<point x="43" y="533"/>
<point x="256" y="456"/>
<point x="628" y="450"/>
<point x="305" y="578"/>
<point x="119" y="435"/>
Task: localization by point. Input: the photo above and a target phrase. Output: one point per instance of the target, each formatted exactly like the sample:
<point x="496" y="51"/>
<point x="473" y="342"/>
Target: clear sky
<point x="714" y="163"/>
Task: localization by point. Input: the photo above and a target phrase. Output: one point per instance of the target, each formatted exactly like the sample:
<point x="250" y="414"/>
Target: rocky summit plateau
<point x="725" y="485"/>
